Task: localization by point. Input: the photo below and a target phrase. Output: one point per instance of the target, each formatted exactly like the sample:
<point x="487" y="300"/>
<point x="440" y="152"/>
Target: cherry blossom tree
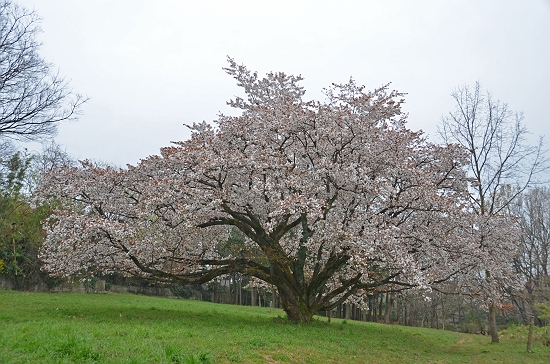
<point x="335" y="200"/>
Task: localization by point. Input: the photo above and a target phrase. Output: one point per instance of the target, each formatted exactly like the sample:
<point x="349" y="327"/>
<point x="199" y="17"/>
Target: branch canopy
<point x="33" y="97"/>
<point x="334" y="200"/>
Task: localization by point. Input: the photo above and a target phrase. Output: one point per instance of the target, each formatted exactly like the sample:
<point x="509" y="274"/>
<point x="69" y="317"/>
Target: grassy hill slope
<point x="125" y="328"/>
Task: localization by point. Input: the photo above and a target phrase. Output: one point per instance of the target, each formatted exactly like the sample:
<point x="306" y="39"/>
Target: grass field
<point x="125" y="328"/>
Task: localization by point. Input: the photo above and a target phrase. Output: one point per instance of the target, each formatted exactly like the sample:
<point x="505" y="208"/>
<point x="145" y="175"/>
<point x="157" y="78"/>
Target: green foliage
<point x="176" y="355"/>
<point x="541" y="335"/>
<point x="21" y="232"/>
<point x="476" y="322"/>
<point x="182" y="291"/>
<point x="76" y="349"/>
<point x="234" y="245"/>
<point x="21" y="235"/>
<point x="544" y="309"/>
<point x="202" y="358"/>
<point x="13" y="174"/>
<point x="125" y="328"/>
<point x="90" y="283"/>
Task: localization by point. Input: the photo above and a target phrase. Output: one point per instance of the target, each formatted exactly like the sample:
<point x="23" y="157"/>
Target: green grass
<point x="125" y="328"/>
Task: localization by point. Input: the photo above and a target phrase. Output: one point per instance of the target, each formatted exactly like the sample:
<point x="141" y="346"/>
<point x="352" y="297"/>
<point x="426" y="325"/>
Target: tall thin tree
<point x="499" y="152"/>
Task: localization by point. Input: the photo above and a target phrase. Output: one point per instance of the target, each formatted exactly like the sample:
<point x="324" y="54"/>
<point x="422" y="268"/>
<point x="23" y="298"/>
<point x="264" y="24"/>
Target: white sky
<point x="151" y="66"/>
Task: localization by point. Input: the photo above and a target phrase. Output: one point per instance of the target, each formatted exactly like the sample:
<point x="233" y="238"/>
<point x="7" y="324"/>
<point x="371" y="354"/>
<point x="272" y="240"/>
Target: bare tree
<point x="501" y="158"/>
<point x="500" y="155"/>
<point x="33" y="98"/>
<point x="52" y="156"/>
<point x="533" y="208"/>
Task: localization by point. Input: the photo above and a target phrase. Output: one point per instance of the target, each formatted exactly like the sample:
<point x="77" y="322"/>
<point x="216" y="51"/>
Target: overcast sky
<point x="151" y="66"/>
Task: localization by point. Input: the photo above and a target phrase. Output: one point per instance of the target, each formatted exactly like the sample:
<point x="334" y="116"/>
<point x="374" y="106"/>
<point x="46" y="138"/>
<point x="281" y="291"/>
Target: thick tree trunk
<point x="493" y="323"/>
<point x="297" y="313"/>
<point x="296" y="309"/>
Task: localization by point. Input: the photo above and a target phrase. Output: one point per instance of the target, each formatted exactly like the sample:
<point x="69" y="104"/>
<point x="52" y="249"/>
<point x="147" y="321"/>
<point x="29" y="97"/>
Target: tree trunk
<point x="100" y="286"/>
<point x="381" y="307"/>
<point x="493" y="323"/>
<point x="347" y="311"/>
<point x="272" y="299"/>
<point x="369" y="314"/>
<point x="240" y="293"/>
<point x="296" y="310"/>
<point x="434" y="315"/>
<point x="398" y="310"/>
<point x="253" y="301"/>
<point x="297" y="313"/>
<point x="442" y="314"/>
<point x="411" y="314"/>
<point x="530" y="336"/>
<point x="389" y="304"/>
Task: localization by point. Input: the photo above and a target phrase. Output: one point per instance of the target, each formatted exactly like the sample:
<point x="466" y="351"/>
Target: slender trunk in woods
<point x="493" y="323"/>
<point x="253" y="301"/>
<point x="530" y="337"/>
<point x="389" y="304"/>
